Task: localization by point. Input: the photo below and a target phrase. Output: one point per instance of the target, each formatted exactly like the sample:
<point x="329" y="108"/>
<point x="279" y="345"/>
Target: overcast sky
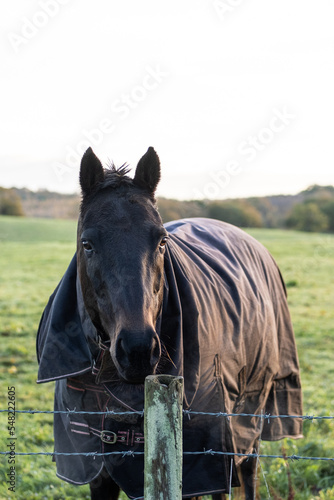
<point x="236" y="96"/>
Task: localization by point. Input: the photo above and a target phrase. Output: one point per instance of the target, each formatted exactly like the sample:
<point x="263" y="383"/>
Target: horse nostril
<point x="121" y="353"/>
<point x="137" y="355"/>
<point x="155" y="352"/>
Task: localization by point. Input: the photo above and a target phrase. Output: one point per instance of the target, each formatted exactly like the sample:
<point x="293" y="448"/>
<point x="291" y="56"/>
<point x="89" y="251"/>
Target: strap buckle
<point x="108" y="437"/>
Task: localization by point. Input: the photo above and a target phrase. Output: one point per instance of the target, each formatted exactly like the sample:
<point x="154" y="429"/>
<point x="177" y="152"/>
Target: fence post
<point x="163" y="437"/>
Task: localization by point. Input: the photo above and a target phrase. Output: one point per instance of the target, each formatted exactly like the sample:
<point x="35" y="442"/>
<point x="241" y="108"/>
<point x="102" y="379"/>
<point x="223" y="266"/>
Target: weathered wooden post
<point x="163" y="437"/>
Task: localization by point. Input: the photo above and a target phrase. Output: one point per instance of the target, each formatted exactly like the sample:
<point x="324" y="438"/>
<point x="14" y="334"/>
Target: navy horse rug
<point x="221" y="321"/>
<point x="227" y="329"/>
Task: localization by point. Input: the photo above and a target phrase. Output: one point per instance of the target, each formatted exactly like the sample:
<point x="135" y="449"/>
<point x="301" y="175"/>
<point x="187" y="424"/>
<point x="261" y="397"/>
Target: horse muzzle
<point x="136" y="355"/>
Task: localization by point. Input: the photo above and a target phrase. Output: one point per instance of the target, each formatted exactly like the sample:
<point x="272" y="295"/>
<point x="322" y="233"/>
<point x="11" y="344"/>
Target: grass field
<point x="34" y="255"/>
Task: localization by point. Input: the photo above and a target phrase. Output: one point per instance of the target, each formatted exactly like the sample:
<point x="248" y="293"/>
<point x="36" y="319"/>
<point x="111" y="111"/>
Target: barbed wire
<point x="106" y="412"/>
<point x="265" y="416"/>
<point x="131" y="453"/>
<point x="188" y="413"/>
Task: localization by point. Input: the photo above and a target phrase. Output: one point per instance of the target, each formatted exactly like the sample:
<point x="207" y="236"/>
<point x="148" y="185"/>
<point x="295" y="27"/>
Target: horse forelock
<point x="115" y="177"/>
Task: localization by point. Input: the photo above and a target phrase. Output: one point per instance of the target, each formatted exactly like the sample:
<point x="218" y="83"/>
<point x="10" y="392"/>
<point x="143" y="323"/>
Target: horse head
<point x="120" y="252"/>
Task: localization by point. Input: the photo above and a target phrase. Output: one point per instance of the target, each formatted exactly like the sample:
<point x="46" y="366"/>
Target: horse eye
<point x="163" y="241"/>
<point x="87" y="246"/>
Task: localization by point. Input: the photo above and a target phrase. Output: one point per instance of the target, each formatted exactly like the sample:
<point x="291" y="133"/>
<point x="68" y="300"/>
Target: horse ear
<point x="147" y="174"/>
<point x="91" y="172"/>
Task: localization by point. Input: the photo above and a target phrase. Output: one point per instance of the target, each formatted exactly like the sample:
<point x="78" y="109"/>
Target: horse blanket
<point x="224" y="326"/>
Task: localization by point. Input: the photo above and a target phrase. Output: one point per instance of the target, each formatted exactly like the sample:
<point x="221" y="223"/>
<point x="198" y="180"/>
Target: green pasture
<point x="34" y="254"/>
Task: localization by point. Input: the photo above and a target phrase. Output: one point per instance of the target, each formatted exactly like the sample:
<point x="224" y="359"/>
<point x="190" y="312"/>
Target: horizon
<point x="78" y="193"/>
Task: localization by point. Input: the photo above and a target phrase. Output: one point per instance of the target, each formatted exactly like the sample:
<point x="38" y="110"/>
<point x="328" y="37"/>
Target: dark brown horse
<point x="197" y="298"/>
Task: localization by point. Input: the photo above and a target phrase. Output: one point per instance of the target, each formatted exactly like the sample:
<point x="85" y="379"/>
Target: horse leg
<point x="103" y="487"/>
<point x="248" y="471"/>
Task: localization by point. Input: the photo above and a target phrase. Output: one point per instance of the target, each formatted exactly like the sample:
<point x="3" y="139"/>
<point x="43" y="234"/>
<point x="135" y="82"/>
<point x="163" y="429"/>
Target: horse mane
<point x="115" y="177"/>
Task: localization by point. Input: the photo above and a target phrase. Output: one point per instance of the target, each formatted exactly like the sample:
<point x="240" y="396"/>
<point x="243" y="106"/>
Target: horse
<point x="195" y="297"/>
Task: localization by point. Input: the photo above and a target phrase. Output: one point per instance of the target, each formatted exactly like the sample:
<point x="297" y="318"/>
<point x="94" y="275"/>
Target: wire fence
<point x="187" y="413"/>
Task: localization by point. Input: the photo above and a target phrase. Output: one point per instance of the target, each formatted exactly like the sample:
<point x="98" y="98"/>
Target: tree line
<point x="310" y="210"/>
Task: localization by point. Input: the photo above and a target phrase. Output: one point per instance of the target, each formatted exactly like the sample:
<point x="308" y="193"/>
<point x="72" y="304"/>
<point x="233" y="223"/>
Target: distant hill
<point x="273" y="210"/>
<point x="266" y="211"/>
<point x="45" y="203"/>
